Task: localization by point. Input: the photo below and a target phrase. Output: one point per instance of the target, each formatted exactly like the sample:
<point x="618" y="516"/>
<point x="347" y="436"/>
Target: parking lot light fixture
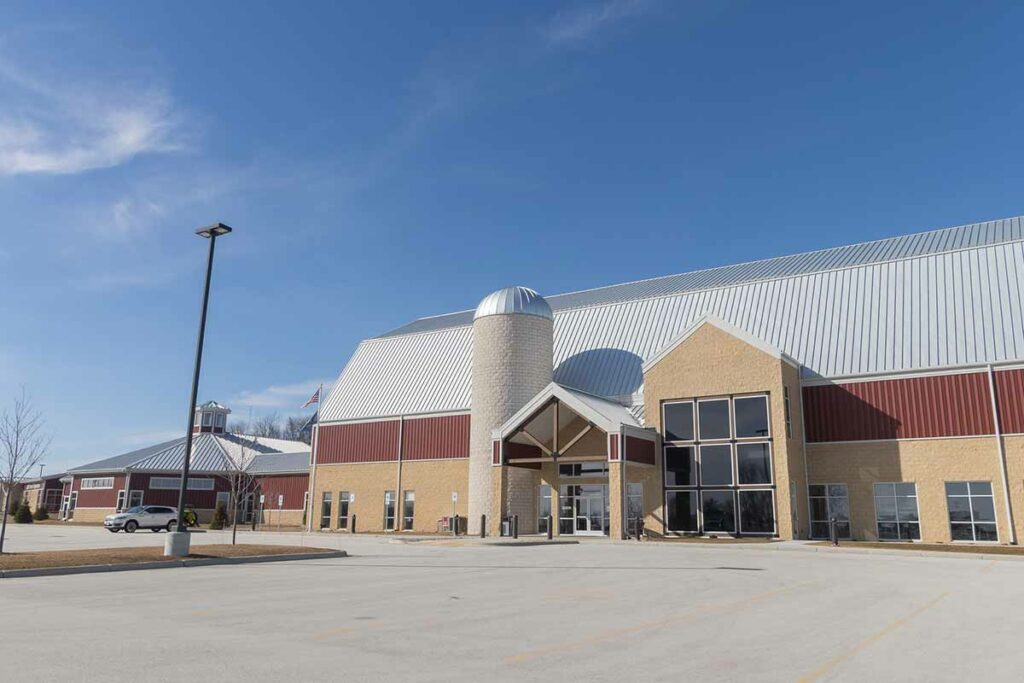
<point x="177" y="543"/>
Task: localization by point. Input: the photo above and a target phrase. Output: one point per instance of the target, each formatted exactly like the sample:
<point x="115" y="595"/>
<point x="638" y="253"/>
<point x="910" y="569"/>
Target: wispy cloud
<point x="580" y="24"/>
<point x="283" y="397"/>
<point x="58" y="126"/>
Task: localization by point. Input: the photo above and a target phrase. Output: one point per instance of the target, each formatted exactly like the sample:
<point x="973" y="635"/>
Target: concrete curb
<point x="166" y="564"/>
<point x="913" y="553"/>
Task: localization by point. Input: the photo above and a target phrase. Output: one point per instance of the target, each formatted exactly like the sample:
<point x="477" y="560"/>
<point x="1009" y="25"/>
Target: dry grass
<point x="934" y="547"/>
<point x="80" y="558"/>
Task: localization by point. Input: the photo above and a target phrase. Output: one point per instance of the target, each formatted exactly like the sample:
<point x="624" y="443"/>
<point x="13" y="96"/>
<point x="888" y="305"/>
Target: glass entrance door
<point x="586" y="508"/>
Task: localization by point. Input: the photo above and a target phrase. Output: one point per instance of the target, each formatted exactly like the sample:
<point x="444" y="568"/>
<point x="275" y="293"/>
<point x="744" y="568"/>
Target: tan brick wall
<point x="712" y="362"/>
<point x="286" y="518"/>
<point x="650" y="478"/>
<point x="432" y="480"/>
<point x="929" y="464"/>
<point x="1014" y="446"/>
<point x="368" y="481"/>
<point x="91" y="515"/>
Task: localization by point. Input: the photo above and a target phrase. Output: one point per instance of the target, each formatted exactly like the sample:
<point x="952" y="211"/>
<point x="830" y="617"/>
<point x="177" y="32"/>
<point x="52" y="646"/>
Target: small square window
<point x="679" y="421"/>
<point x="713" y="417"/>
<point x="751" y="417"/>
<point x="680" y="466"/>
<point x="754" y="463"/>
<point x="716" y="465"/>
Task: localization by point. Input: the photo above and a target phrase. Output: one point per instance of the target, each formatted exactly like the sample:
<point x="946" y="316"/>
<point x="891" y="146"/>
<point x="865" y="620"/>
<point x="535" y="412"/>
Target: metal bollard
<point x="353" y="523"/>
<point x="483" y="526"/>
<point x="515" y="526"/>
<point x="640" y="529"/>
<point x="551" y="528"/>
<point x="832" y="534"/>
<point x="455" y="525"/>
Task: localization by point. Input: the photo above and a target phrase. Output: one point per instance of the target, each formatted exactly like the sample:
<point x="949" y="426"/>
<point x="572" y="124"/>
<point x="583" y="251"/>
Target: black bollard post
<point x="483" y="526"/>
<point x="455" y="525"/>
<point x="353" y="523"/>
<point x="833" y="536"/>
<point x="515" y="526"/>
<point x="551" y="528"/>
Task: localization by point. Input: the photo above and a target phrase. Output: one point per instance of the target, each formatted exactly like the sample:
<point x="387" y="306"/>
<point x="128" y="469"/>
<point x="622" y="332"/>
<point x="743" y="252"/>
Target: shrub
<point x="24" y="513"/>
<point x="40" y="514"/>
<point x="220" y="517"/>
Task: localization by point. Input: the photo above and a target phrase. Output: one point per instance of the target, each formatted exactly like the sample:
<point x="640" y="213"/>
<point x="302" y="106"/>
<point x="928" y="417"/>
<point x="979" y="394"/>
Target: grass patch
<point x="81" y="558"/>
<point x="933" y="547"/>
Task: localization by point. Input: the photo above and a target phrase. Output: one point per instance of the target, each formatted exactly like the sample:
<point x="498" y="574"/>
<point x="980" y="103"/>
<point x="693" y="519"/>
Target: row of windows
<point x="717" y="419"/>
<point x="971" y="507"/>
<point x="345" y="499"/>
<point x="718" y="465"/>
<point x="211" y="419"/>
<point x="174" y="483"/>
<point x="714" y="511"/>
<point x="97" y="483"/>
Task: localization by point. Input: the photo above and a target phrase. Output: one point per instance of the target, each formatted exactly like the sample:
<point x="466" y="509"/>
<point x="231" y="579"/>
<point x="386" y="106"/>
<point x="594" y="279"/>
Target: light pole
<point x="177" y="542"/>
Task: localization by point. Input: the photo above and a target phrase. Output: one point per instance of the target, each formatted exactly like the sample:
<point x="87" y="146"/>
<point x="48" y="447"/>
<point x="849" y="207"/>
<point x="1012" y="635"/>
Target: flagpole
<point x="313" y="443"/>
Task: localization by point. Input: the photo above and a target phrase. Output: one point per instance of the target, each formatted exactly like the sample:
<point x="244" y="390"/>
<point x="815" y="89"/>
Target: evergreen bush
<point x="24" y="513"/>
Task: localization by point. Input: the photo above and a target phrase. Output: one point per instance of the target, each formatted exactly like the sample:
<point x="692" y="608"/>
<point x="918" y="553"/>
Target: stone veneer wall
<point x="512" y="362"/>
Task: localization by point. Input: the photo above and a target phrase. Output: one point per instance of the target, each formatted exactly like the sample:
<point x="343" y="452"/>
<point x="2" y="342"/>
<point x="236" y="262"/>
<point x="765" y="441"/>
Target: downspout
<point x="399" y="506"/>
<point x="1002" y="452"/>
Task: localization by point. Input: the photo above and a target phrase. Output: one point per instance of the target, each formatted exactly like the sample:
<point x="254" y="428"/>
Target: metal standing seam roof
<point x="283" y="463"/>
<point x="944" y="298"/>
<point x="210" y="453"/>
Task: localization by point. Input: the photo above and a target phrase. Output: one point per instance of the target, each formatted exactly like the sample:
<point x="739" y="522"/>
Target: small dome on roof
<point x="514" y="300"/>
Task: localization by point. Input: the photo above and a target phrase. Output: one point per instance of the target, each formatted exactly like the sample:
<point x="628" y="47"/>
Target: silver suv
<point x="152" y="517"/>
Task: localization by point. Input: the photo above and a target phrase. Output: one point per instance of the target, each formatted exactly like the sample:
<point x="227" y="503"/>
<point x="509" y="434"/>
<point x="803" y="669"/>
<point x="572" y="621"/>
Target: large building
<point x="879" y="386"/>
<point x="274" y="472"/>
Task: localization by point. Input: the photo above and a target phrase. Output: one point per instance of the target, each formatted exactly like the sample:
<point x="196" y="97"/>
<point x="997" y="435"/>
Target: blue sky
<point x="385" y="161"/>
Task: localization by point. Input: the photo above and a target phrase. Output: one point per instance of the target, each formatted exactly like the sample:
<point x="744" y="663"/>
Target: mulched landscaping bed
<point x="101" y="556"/>
<point x="933" y="547"/>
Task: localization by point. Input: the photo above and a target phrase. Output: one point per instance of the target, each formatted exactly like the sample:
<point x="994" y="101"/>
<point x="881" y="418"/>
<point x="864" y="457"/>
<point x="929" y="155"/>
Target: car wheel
<point x="171" y="525"/>
<point x="131" y="526"/>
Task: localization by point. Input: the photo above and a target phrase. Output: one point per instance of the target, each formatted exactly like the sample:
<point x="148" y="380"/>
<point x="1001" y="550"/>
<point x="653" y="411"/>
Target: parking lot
<point x="458" y="610"/>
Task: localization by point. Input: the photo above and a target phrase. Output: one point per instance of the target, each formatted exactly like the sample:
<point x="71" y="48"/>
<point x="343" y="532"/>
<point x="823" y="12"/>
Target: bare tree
<point x="23" y="445"/>
<point x="267" y="426"/>
<point x="242" y="483"/>
<point x="293" y="429"/>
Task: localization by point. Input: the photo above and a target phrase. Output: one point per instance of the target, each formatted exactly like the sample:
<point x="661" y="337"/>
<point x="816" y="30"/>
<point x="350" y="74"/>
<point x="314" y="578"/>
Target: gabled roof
<point x="715" y="321"/>
<point x="607" y="415"/>
<point x="211" y="453"/>
<point x="945" y="298"/>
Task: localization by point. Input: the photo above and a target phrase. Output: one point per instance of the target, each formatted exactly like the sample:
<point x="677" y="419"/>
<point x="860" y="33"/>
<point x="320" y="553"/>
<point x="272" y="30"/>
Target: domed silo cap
<point x="510" y="300"/>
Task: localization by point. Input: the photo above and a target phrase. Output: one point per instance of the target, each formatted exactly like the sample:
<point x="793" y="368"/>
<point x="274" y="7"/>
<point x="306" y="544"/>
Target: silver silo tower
<point x="513" y="333"/>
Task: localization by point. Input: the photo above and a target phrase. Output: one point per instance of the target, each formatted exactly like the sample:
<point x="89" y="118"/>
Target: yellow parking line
<point x="613" y="634"/>
<point x="869" y="641"/>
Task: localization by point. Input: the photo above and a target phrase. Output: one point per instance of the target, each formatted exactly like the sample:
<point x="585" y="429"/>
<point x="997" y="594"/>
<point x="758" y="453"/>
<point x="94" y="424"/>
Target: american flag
<point x="315" y="398"/>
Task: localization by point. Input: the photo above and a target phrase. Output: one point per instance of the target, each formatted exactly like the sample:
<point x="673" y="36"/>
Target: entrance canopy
<point x="561" y="425"/>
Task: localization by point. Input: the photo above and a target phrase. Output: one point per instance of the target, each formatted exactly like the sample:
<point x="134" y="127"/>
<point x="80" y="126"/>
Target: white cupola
<point x="211" y="417"/>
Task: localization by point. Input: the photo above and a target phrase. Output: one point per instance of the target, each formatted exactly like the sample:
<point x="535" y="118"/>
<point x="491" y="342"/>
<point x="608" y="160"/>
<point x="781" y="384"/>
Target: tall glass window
<point x="718" y="465"/>
<point x="344" y="498"/>
<point x="634" y="507"/>
<point x="543" y="508"/>
<point x="972" y="511"/>
<point x="896" y="512"/>
<point x="325" y="511"/>
<point x="389" y="511"/>
<point x="408" y="510"/>
<point x="829" y="501"/>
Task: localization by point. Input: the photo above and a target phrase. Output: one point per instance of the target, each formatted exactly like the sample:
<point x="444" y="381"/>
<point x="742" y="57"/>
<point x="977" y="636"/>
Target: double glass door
<point x="584" y="510"/>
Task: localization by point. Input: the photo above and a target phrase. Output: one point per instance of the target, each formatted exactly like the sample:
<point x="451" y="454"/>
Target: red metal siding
<point x="613" y="447"/>
<point x="639" y="450"/>
<point x="362" y="442"/>
<point x="1010" y="394"/>
<point x="200" y="500"/>
<point x="495" y="452"/>
<point x="292" y="486"/>
<point x="98" y="498"/>
<point x="436" y="438"/>
<point x="917" y="407"/>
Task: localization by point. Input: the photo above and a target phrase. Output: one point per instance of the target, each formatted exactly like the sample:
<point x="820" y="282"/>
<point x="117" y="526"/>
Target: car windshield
<point x="136" y="509"/>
